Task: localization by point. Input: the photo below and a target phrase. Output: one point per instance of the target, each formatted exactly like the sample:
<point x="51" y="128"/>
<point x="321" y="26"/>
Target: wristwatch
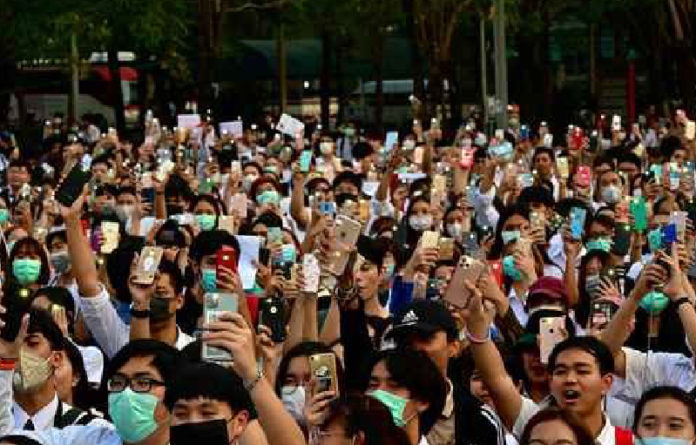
<point x="682" y="300"/>
<point x="140" y="314"/>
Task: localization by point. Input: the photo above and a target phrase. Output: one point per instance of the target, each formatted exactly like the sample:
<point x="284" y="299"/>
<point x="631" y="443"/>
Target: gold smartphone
<point x="148" y="263"/>
<point x="110" y="236"/>
<point x="323" y="370"/>
<point x="469" y="269"/>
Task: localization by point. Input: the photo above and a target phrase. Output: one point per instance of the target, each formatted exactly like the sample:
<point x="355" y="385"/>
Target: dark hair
<point x="172" y="269"/>
<point x="209" y="241"/>
<point x="82" y="394"/>
<point x="166" y="359"/>
<point x="602" y="159"/>
<point x="543" y="150"/>
<point x="41" y="322"/>
<point x="363" y="414"/>
<point x="669" y="145"/>
<point x="118" y="265"/>
<point x="347" y="176"/>
<point x="588" y="344"/>
<point x="34" y="246"/>
<point x="216" y="204"/>
<point x="177" y="186"/>
<point x="60" y="296"/>
<point x="126" y="190"/>
<point x="520" y="209"/>
<point x="629" y="157"/>
<point x="304" y="349"/>
<point x="665" y="392"/>
<point x="18" y="439"/>
<point x="551" y="414"/>
<point x="211" y="381"/>
<point x="424" y="382"/>
<point x="268" y="219"/>
<point x="361" y="150"/>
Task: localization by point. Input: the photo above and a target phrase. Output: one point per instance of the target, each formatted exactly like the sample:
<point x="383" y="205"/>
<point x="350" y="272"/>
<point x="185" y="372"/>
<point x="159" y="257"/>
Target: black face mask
<point x="212" y="432"/>
<point x="175" y="209"/>
<point x="159" y="309"/>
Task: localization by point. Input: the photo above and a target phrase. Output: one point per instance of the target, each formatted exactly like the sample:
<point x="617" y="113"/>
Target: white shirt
<point x="109" y="330"/>
<point x="645" y="371"/>
<point x="41" y="420"/>
<point x="518" y="307"/>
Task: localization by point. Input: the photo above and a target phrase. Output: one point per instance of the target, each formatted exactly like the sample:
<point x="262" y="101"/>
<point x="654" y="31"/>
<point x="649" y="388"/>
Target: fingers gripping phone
<point x="71" y="188"/>
<point x="323" y="370"/>
<point x="469" y="269"/>
<point x="148" y="264"/>
<point x="272" y="315"/>
<point x="214" y="304"/>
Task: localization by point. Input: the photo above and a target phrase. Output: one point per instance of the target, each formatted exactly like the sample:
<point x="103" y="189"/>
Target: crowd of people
<point x="279" y="283"/>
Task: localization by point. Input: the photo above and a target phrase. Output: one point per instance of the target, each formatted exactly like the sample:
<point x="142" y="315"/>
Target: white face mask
<point x="455" y="230"/>
<point x="326" y="148"/>
<point x="420" y="223"/>
<point x="293" y="398"/>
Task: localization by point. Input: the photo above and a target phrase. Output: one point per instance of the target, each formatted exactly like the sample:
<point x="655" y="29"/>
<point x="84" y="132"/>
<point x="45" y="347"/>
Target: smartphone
<point x="639" y="211"/>
<point x="272" y="315"/>
<point x="537" y="220"/>
<point x="496" y="268"/>
<point x="562" y="166"/>
<point x="226" y="258"/>
<point x="305" y="161"/>
<point x="347" y="233"/>
<point x="327" y="208"/>
<point x="147" y="191"/>
<point x="274" y="236"/>
<point x="551" y="333"/>
<point x="148" y="263"/>
<point x="214" y="304"/>
<point x="311" y="272"/>
<point x="71" y="188"/>
<point x="17" y="301"/>
<point x="430" y="239"/>
<point x="364" y="210"/>
<point x="601" y="314"/>
<point x="418" y="153"/>
<point x="584" y="176"/>
<point x="616" y="123"/>
<point x="468" y="269"/>
<point x="577" y="222"/>
<point x="690" y="130"/>
<point x="110" y="231"/>
<point x="445" y="248"/>
<point x="323" y="370"/>
<point x="678" y="218"/>
<point x="622" y="239"/>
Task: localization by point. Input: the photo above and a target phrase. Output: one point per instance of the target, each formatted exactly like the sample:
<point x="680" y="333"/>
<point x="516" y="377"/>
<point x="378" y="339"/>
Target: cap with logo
<point x="424" y="317"/>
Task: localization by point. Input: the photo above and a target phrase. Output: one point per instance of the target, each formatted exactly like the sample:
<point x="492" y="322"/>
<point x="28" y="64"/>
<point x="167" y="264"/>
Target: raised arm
<point x="83" y="262"/>
<point x="489" y="363"/>
<point x="297" y="200"/>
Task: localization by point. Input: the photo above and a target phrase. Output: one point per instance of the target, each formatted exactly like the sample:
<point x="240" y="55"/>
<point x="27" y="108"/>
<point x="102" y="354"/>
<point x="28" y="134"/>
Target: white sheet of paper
<point x="188" y="120"/>
<point x="370" y="188"/>
<point x="249" y="251"/>
<point x="289" y="125"/>
<point x="234" y="128"/>
<point x="410" y="177"/>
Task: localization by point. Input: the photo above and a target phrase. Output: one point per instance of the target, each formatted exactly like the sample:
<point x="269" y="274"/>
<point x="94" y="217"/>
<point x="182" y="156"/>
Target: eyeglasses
<point x="119" y="383"/>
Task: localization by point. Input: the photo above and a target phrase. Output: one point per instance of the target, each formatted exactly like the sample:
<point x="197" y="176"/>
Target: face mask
<point x="654" y="302"/>
<point x="394" y="403"/>
<point x="509" y="268"/>
<point x="60" y="261"/>
<point x="26" y="270"/>
<point x="611" y="194"/>
<point x="659" y="440"/>
<point x="271" y="169"/>
<point x="293" y="398"/>
<point x="509" y="236"/>
<point x="455" y="230"/>
<point x="603" y="244"/>
<point x="213" y="432"/>
<point x="133" y="414"/>
<point x="247" y="181"/>
<point x="268" y="197"/>
<point x="174" y="209"/>
<point x="206" y="222"/>
<point x="420" y="223"/>
<point x="124" y="212"/>
<point x="159" y="309"/>
<point x="4" y="216"/>
<point x="326" y="148"/>
<point x="409" y="144"/>
<point x="33" y="371"/>
<point x="209" y="280"/>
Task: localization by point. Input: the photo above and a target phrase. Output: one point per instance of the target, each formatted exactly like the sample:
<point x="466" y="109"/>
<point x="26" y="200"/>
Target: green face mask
<point x="209" y="280"/>
<point x="26" y="270"/>
<point x="394" y="403"/>
<point x="654" y="302"/>
<point x="4" y="216"/>
<point x="133" y="414"/>
<point x="602" y="244"/>
<point x="206" y="222"/>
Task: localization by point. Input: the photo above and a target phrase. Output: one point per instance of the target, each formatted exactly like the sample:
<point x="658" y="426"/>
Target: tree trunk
<point x="379" y="83"/>
<point x="416" y="59"/>
<point x="340" y="87"/>
<point x="325" y="78"/>
<point x="119" y="108"/>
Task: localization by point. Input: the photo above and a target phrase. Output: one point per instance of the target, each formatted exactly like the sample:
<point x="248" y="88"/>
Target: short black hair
<point x="602" y="159"/>
<point x="18" y="439"/>
<point x="209" y="241"/>
<point x="361" y="150"/>
<point x="126" y="190"/>
<point x="347" y="176"/>
<point x="543" y="150"/>
<point x="177" y="186"/>
<point x="41" y="322"/>
<point x="629" y="157"/>
<point x="166" y="359"/>
<point x="268" y="219"/>
<point x="210" y="381"/>
<point x="665" y="392"/>
<point x="669" y="145"/>
<point x="588" y="344"/>
<point x="424" y="382"/>
<point x="57" y="295"/>
<point x="172" y="269"/>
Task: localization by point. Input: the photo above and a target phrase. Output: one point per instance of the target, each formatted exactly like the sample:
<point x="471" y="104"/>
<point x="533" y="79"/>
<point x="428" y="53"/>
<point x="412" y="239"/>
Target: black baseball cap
<point x="424" y="317"/>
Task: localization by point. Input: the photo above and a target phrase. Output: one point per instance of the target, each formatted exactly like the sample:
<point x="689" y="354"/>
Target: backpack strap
<point x="623" y="436"/>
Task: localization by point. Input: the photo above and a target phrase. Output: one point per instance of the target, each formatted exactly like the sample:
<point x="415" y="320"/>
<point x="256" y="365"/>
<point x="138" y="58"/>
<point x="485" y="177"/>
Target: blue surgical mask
<point x="603" y="244"/>
<point x="509" y="236"/>
<point x="133" y="414"/>
<point x="209" y="280"/>
<point x="659" y="440"/>
<point x="654" y="302"/>
<point x="26" y="270"/>
<point x="509" y="268"/>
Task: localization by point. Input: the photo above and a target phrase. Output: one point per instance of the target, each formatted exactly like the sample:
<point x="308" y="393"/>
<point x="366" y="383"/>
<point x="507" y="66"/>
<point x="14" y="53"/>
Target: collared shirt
<point x="42" y="419"/>
<point x="518" y="307"/>
<point x="109" y="331"/>
<point x="442" y="433"/>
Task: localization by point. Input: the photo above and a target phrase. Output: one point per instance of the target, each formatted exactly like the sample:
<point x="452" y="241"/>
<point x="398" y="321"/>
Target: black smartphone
<point x="264" y="255"/>
<point x="622" y="239"/>
<point x="272" y="315"/>
<point x="71" y="188"/>
<point x="17" y="301"/>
